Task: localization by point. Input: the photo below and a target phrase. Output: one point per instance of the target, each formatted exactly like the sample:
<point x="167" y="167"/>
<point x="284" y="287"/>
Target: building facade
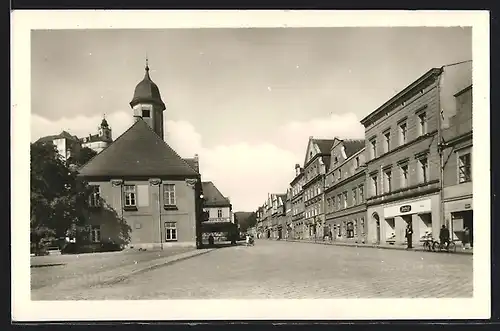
<point x="316" y="165"/>
<point x="67" y="144"/>
<point x="288" y="215"/>
<point x="218" y="218"/>
<point x="403" y="169"/>
<point x="148" y="187"/>
<point x="99" y="141"/>
<point x="297" y="201"/>
<point x="457" y="168"/>
<point x="344" y="193"/>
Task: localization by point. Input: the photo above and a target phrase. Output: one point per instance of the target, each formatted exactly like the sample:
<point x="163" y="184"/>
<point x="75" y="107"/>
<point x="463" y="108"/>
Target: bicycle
<point x="448" y="246"/>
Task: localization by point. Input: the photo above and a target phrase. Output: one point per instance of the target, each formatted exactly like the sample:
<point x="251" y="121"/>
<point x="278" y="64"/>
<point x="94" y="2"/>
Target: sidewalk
<point x="382" y="246"/>
<point x="114" y="275"/>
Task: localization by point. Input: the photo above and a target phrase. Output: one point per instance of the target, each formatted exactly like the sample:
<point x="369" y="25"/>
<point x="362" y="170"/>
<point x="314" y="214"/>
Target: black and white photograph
<point x="250" y="165"/>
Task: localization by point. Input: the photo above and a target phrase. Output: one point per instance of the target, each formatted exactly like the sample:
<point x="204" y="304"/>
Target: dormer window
<point x="146" y="113"/>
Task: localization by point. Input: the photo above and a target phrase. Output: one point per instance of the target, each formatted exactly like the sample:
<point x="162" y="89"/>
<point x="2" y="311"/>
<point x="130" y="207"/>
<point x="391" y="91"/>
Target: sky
<point x="245" y="100"/>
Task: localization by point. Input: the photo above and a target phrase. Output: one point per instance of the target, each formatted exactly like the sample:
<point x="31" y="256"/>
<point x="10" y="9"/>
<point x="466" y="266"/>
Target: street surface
<point x="285" y="270"/>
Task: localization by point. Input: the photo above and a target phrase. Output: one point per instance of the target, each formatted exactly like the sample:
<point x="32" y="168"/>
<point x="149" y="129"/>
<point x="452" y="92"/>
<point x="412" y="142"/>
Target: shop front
<point x="388" y="222"/>
<point x="460" y="219"/>
<point x="348" y="228"/>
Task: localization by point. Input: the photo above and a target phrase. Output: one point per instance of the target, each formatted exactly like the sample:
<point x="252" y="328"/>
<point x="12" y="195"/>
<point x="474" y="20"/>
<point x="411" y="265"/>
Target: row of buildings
<point x="159" y="195"/>
<point x="413" y="168"/>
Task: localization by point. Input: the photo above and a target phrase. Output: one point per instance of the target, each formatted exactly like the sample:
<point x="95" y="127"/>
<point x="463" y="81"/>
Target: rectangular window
<point x="130" y="195"/>
<point x="387" y="137"/>
<point x="361" y="194"/>
<point x="95" y="234"/>
<point x="356" y="162"/>
<point x="339" y="173"/>
<point x="464" y="168"/>
<point x="373" y="144"/>
<point x="422" y="124"/>
<point x="333" y="203"/>
<point x="344" y="199"/>
<point x="219" y="213"/>
<point x="329" y="204"/>
<point x="169" y="194"/>
<point x="354" y="196"/>
<point x="388" y="180"/>
<point x="339" y="199"/>
<point x="170" y="231"/>
<point x="95" y="196"/>
<point x="146" y="113"/>
<point x="424" y="170"/>
<point x="404" y="175"/>
<point x="403" y="133"/>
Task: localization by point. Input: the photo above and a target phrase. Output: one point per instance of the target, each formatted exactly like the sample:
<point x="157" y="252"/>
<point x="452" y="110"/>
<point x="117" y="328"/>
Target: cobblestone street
<point x="295" y="270"/>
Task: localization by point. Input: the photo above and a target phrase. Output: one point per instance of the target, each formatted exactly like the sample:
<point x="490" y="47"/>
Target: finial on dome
<point x="147" y="62"/>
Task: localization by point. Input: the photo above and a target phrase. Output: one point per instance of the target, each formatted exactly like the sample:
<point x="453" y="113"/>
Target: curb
<point x="375" y="246"/>
<point x="166" y="261"/>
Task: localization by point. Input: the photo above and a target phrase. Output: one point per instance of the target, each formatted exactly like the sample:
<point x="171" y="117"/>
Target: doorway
<point x="376" y="220"/>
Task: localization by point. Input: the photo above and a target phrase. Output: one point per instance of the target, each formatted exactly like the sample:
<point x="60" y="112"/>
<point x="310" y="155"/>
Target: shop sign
<point x="421" y="206"/>
<point x="405" y="209"/>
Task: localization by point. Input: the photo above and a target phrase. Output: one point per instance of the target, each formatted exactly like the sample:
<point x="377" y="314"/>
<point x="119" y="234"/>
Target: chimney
<point x="297" y="169"/>
<point x="311" y="137"/>
<point x="197" y="163"/>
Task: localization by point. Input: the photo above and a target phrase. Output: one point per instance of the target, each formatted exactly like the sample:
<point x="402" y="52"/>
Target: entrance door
<point x="469" y="223"/>
<point x="376" y="219"/>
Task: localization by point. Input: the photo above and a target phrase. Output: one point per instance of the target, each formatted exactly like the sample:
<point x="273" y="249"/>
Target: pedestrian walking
<point x="409" y="235"/>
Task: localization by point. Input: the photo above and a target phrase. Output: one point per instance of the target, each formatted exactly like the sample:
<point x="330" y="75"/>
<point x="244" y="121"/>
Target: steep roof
<point x="324" y="145"/>
<point x="193" y="163"/>
<point x="63" y="134"/>
<point x="212" y="196"/>
<point x="352" y="146"/>
<point x="139" y="151"/>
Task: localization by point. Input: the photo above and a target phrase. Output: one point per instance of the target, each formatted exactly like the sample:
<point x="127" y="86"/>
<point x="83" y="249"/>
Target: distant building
<point x="278" y="216"/>
<point x="154" y="191"/>
<point x="99" y="141"/>
<point x="297" y="201"/>
<point x="217" y="206"/>
<point x="344" y="192"/>
<point x="316" y="165"/>
<point x="67" y="144"/>
<point x="218" y="212"/>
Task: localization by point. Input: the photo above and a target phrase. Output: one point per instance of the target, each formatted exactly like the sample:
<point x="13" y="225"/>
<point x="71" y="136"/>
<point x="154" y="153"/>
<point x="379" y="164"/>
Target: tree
<point x="82" y="156"/>
<point x="58" y="196"/>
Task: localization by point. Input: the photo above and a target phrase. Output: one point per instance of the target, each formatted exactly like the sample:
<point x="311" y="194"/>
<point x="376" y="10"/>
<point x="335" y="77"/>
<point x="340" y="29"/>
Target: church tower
<point x="105" y="131"/>
<point x="147" y="103"/>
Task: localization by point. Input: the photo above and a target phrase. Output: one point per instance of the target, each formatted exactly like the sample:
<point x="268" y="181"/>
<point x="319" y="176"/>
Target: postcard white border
<point x="23" y="309"/>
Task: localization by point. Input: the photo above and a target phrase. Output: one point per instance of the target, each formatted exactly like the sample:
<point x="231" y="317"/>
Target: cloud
<point x="245" y="172"/>
<point x="294" y="136"/>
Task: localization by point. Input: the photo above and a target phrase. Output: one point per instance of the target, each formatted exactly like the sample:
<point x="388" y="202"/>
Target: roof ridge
<point x="114" y="141"/>
<point x="166" y="144"/>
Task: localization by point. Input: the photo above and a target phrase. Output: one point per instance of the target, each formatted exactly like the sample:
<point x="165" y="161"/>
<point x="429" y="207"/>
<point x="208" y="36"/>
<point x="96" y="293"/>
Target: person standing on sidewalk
<point x="409" y="235"/>
<point x="444" y="236"/>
